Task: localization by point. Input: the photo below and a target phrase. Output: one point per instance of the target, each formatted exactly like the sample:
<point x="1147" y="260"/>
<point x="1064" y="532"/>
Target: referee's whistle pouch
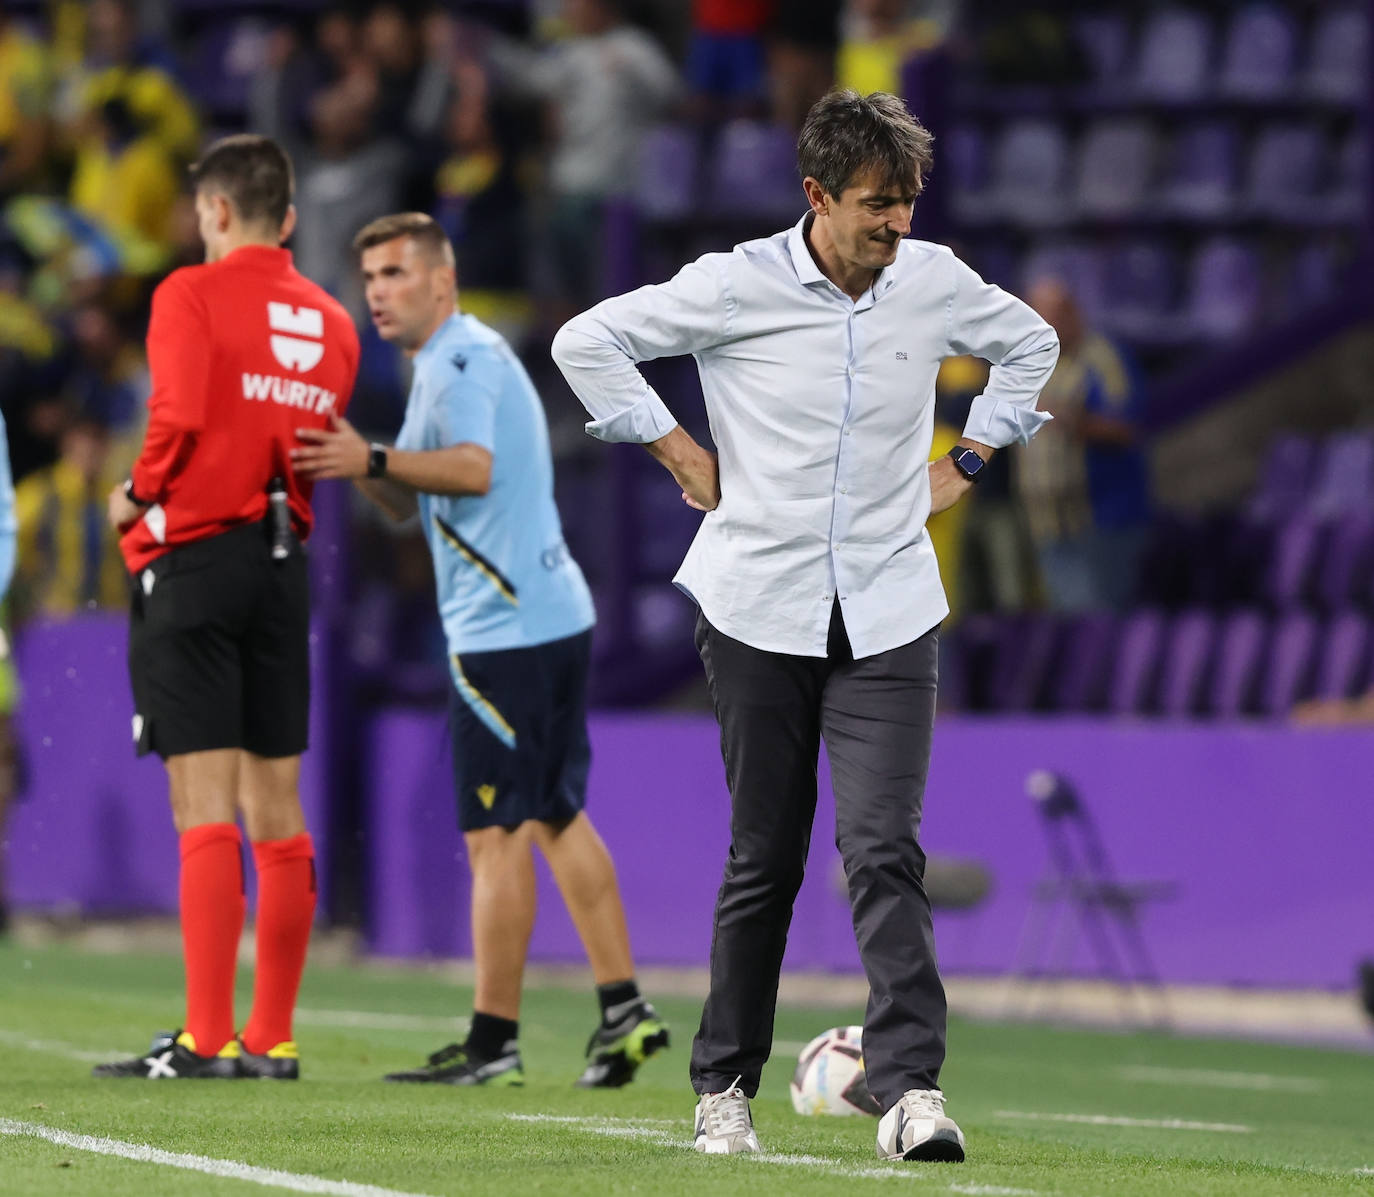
<point x="279" y="520"/>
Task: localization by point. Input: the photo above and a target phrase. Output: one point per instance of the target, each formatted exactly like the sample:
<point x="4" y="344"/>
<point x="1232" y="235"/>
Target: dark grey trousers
<point x="876" y="715"/>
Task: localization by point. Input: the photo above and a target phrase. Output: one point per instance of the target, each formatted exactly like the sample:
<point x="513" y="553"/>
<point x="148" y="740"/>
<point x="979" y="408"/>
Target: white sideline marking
<point x="1217" y="1078"/>
<point x="648" y="1129"/>
<point x="1116" y="1120"/>
<point x="55" y="1048"/>
<point x="231" y="1169"/>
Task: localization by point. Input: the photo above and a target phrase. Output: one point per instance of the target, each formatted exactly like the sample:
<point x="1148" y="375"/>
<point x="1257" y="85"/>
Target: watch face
<point x="968" y="461"/>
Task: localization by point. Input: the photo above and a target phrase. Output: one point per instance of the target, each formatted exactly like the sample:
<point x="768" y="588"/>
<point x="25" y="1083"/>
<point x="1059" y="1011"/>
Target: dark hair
<point x="846" y="134"/>
<point x="424" y="230"/>
<point x="253" y="173"/>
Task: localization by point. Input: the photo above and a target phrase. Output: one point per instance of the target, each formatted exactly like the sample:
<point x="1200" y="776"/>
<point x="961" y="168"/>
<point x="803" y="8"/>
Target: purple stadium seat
<point x="1288" y="168"/>
<point x="1025" y="654"/>
<point x="965" y="156"/>
<point x="1337" y="62"/>
<point x="1285" y="478"/>
<point x="1115" y="167"/>
<point x="1132" y="686"/>
<point x="1175" y="56"/>
<point x="1225" y="290"/>
<point x="1347" y="562"/>
<point x="1298" y="544"/>
<point x="1105" y="39"/>
<point x="1290" y="664"/>
<point x="223" y="61"/>
<point x="1077" y="266"/>
<point x="755" y="172"/>
<point x="669" y="172"/>
<point x="1029" y="164"/>
<point x="1311" y="278"/>
<point x="1204" y="166"/>
<point x="1079" y="681"/>
<point x="1344" y="480"/>
<point x="1187" y="659"/>
<point x="1346" y="202"/>
<point x="1260" y="53"/>
<point x="1343" y="665"/>
<point x="1241" y="643"/>
<point x="1142" y="286"/>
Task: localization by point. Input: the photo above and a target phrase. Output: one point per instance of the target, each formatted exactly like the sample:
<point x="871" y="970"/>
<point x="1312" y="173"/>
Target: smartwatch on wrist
<point x="967" y="462"/>
<point x="132" y="497"/>
<point x="376" y="461"/>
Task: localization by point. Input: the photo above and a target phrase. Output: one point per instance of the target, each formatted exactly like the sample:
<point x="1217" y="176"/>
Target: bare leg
<point x="585" y="874"/>
<point x="503" y="903"/>
<point x="203" y="787"/>
<point x="269" y="796"/>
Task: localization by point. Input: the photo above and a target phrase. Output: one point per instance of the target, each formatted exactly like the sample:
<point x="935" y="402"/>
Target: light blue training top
<point x="505" y="578"/>
<point x="9" y="524"/>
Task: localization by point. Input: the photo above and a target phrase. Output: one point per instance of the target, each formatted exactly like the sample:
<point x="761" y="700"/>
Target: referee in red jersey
<point x="243" y="351"/>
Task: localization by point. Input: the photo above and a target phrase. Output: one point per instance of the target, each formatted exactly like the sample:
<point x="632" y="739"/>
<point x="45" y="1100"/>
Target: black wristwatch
<point x="376" y="461"/>
<point x="967" y="462"/>
<point x="132" y="497"/>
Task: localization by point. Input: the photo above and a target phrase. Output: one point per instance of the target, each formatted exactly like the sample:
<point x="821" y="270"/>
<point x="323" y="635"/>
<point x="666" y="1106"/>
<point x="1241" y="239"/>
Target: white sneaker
<point x="916" y="1129"/>
<point x="723" y="1124"/>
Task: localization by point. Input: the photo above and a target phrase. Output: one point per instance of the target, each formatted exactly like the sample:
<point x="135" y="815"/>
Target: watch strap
<point x="970" y="469"/>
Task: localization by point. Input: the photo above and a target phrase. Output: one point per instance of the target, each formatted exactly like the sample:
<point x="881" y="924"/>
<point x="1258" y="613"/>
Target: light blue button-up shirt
<point x="822" y="411"/>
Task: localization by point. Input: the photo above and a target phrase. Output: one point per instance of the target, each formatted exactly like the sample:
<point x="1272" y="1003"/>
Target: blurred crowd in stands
<point x="525" y="127"/>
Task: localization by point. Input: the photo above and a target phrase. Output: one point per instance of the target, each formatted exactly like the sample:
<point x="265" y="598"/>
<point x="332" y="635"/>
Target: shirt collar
<point x="807" y="270"/>
<point x="430" y="346"/>
<point x="802" y="261"/>
<point x="266" y="255"/>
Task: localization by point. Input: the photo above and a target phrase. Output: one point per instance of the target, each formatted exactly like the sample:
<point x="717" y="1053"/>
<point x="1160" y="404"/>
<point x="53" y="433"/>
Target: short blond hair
<point x="423" y="229"/>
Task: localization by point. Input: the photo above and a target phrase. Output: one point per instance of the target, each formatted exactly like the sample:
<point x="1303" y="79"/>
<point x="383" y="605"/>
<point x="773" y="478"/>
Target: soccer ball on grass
<point x="830" y="1079"/>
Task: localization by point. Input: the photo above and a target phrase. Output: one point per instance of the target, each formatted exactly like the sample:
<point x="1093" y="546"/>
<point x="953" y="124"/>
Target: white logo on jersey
<point x="293" y="352"/>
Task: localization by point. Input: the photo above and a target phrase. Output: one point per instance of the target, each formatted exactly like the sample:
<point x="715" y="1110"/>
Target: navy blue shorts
<point x="518" y="718"/>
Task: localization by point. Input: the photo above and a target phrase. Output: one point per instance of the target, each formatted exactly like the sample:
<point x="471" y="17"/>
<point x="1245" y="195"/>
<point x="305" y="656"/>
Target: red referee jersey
<point x="243" y="352"/>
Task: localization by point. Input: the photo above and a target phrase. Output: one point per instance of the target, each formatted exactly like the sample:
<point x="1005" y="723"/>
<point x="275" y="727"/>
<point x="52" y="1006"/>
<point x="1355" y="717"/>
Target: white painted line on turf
<point x="641" y="1128"/>
<point x="1115" y="1120"/>
<point x="1217" y="1078"/>
<point x="53" y="1047"/>
<point x="231" y="1169"/>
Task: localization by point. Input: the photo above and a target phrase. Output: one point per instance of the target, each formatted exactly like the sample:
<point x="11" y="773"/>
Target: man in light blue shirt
<point x="818" y="589"/>
<point x="473" y="458"/>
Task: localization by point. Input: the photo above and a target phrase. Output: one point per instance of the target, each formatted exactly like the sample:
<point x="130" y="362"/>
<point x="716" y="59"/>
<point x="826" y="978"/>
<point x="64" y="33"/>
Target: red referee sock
<point x="286" y="910"/>
<point x="211" y="920"/>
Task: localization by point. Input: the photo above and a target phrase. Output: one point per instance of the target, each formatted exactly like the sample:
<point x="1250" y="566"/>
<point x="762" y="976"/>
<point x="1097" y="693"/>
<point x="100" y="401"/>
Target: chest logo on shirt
<point x="901" y="355"/>
<point x="295" y="352"/>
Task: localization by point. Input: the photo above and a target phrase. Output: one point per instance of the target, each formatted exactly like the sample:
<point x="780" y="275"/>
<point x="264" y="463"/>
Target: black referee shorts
<point x="219" y="648"/>
<point x="519" y="723"/>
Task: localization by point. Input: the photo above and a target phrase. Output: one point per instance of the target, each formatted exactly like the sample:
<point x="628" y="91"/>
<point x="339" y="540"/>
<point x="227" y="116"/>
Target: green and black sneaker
<point x="173" y="1056"/>
<point x="627" y="1036"/>
<point x="457" y="1065"/>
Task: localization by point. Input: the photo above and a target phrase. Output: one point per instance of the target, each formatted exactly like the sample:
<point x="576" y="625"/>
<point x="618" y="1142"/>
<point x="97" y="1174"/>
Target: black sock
<point x="617" y="993"/>
<point x="489" y="1035"/>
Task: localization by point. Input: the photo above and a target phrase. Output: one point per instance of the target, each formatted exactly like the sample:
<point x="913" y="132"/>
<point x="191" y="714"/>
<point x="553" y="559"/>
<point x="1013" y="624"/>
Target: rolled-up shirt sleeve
<point x="987" y="322"/>
<point x="598" y="350"/>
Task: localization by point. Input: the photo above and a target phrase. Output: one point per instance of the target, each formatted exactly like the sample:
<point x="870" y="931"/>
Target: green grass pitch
<point x="1045" y="1111"/>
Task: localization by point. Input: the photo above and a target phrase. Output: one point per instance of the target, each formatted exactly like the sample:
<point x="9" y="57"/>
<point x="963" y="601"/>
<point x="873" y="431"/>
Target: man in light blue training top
<point x="473" y="458"/>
